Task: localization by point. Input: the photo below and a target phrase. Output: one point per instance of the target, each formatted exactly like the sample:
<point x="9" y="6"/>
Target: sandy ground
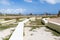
<point x="57" y="20"/>
<point x="5" y="33"/>
<point x="39" y="34"/>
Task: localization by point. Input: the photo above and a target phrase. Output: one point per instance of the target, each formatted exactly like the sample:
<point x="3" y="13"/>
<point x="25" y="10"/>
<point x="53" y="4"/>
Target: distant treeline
<point x="8" y="14"/>
<point x="18" y="14"/>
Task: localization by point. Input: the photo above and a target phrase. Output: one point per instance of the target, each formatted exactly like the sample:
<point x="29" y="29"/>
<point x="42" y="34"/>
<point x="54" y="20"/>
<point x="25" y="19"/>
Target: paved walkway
<point x="18" y="33"/>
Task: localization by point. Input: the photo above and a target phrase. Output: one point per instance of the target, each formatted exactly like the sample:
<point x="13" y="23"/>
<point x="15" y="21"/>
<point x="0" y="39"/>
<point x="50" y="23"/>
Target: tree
<point x="46" y="14"/>
<point x="58" y="13"/>
<point x="0" y="14"/>
<point x="19" y="14"/>
<point x="30" y="14"/>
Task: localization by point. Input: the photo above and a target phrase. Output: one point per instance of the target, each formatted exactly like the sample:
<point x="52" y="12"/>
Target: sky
<point x="29" y="6"/>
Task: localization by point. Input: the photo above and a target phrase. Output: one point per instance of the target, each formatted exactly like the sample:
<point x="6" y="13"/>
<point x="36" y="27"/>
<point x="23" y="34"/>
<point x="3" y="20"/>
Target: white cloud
<point x="58" y="1"/>
<point x="20" y="10"/>
<point x="5" y="2"/>
<point x="28" y="0"/>
<point x="50" y="1"/>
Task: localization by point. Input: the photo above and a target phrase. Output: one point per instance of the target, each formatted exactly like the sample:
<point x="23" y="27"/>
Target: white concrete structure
<point x="52" y="23"/>
<point x="55" y="23"/>
<point x="45" y="20"/>
<point x="18" y="33"/>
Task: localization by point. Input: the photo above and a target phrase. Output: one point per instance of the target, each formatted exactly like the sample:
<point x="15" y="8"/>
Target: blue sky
<point x="29" y="6"/>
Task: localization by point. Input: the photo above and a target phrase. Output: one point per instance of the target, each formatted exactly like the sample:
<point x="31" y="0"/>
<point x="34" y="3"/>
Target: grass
<point x="55" y="28"/>
<point x="34" y="27"/>
<point x="37" y="22"/>
<point x="53" y="32"/>
<point x="23" y="33"/>
<point x="49" y="17"/>
<point x="7" y="26"/>
<point x="2" y="27"/>
<point x="7" y="18"/>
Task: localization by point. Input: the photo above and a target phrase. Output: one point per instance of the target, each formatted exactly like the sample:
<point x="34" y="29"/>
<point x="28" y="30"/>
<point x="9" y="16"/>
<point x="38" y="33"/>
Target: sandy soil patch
<point x="39" y="34"/>
<point x="5" y="33"/>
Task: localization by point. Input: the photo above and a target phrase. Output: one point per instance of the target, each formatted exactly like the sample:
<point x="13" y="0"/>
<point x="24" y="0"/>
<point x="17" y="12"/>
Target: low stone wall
<point x="44" y="21"/>
<point x="54" y="26"/>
